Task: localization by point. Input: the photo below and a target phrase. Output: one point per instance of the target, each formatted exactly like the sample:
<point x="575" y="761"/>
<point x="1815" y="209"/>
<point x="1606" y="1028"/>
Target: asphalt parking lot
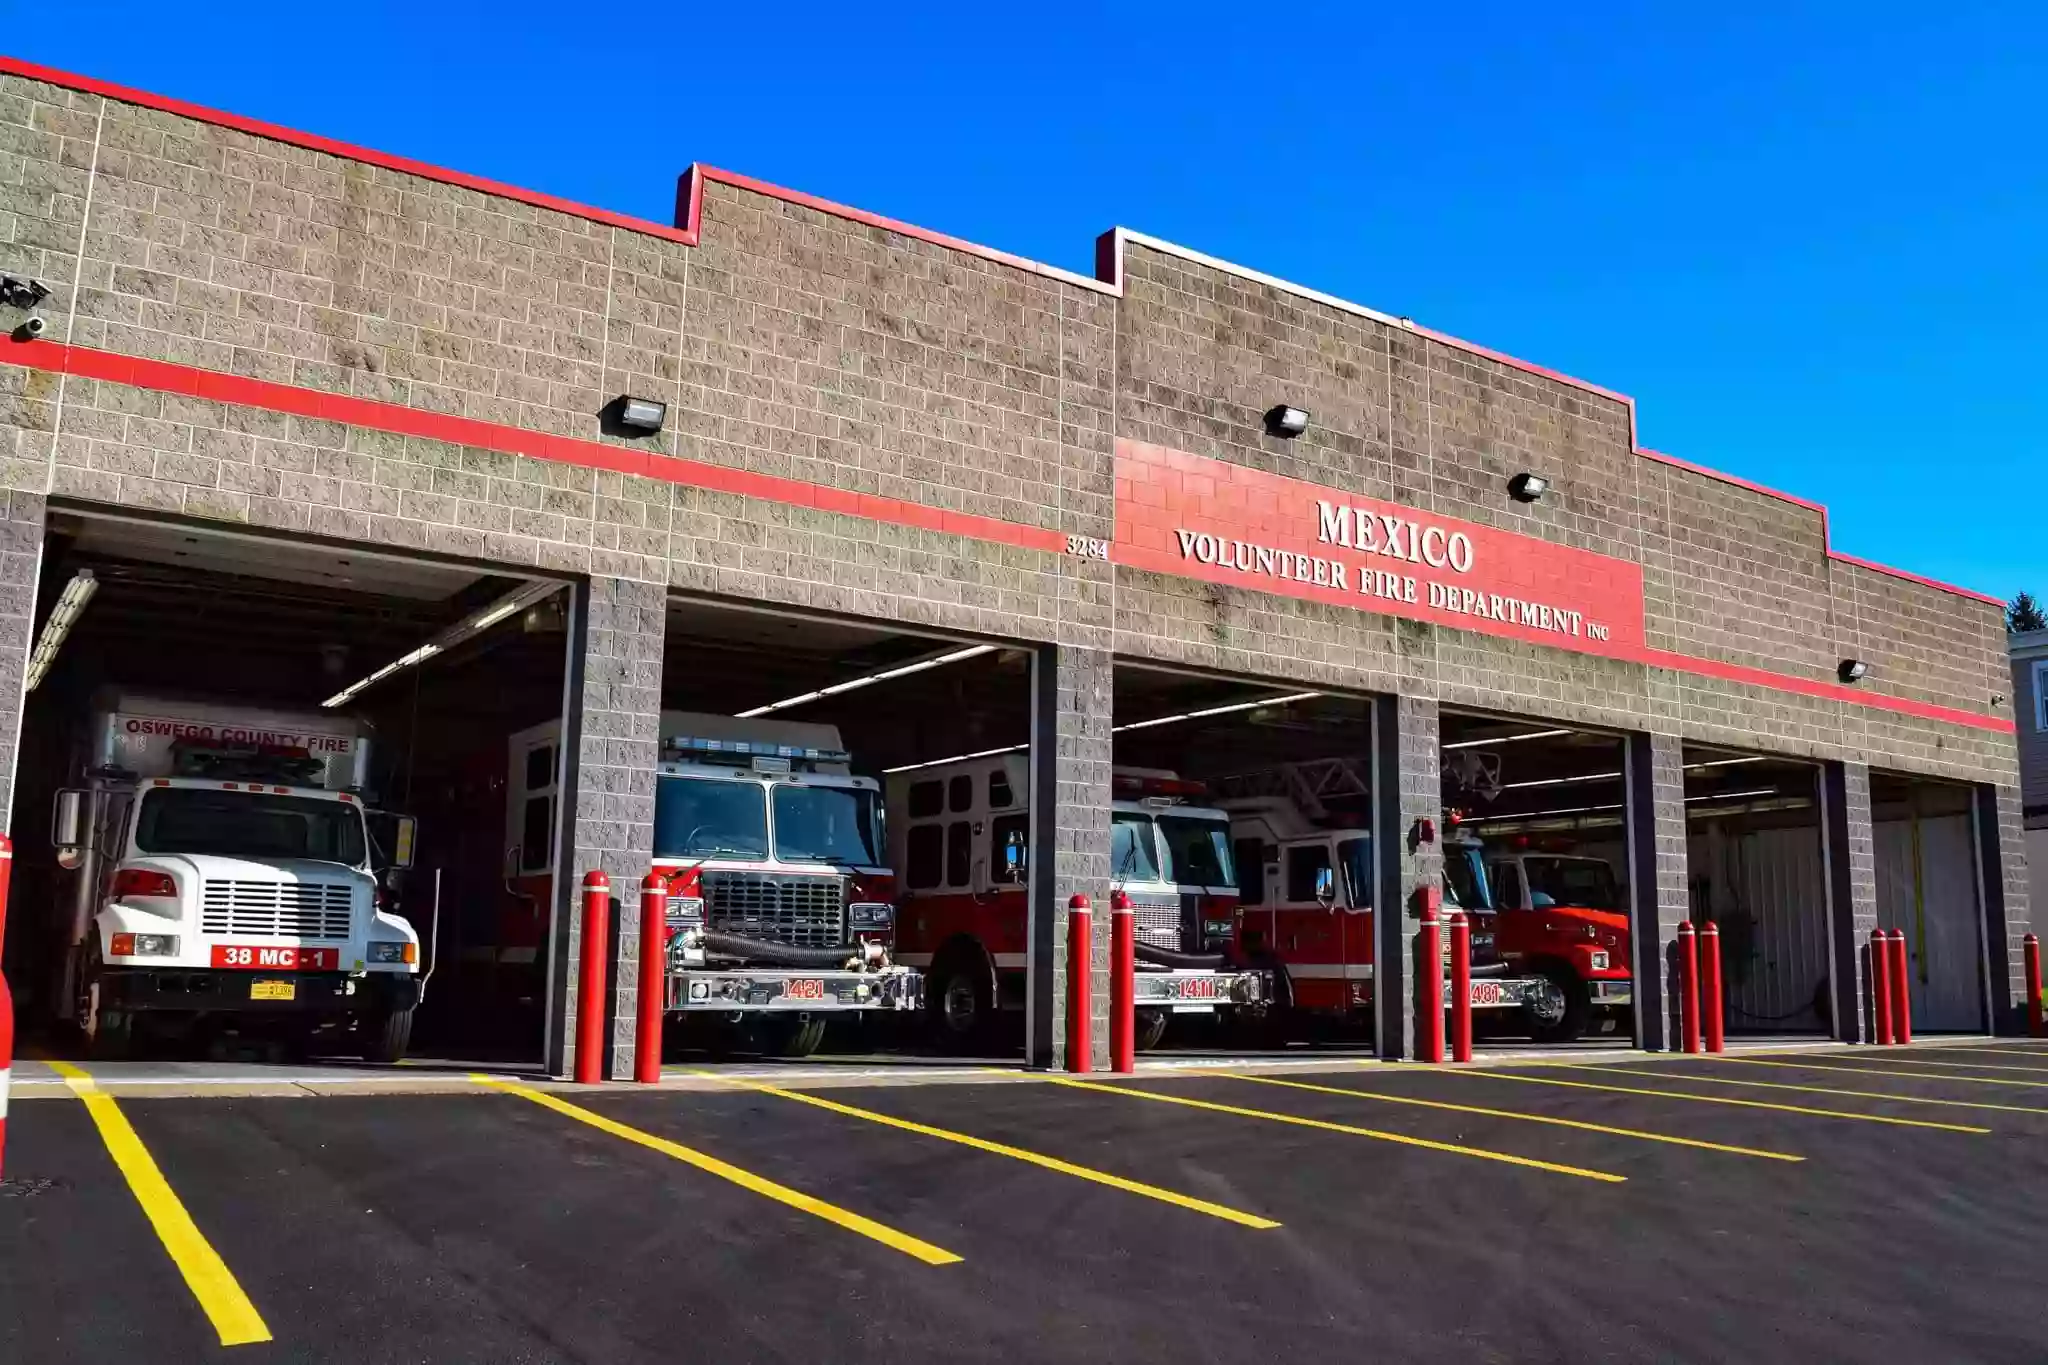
<point x="1847" y="1205"/>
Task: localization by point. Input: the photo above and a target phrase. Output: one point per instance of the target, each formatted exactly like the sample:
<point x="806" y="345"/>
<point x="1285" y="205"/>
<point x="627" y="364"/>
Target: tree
<point x="2025" y="614"/>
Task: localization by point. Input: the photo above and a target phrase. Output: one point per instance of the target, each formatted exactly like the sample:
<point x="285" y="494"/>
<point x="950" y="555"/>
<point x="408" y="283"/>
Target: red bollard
<point x="1123" y="984"/>
<point x="2030" y="949"/>
<point x="6" y="875"/>
<point x="1902" y="990"/>
<point x="597" y="913"/>
<point x="6" y="1062"/>
<point x="1710" y="985"/>
<point x="1880" y="988"/>
<point x="1080" y="980"/>
<point x="653" y="979"/>
<point x="1461" y="987"/>
<point x="1689" y="986"/>
<point x="1429" y="982"/>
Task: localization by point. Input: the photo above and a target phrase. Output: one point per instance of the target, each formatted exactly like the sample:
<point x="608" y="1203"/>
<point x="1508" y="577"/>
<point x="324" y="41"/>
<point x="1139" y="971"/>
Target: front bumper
<point x="1612" y="992"/>
<point x="138" y="989"/>
<point x="1193" y="991"/>
<point x="1495" y="993"/>
<point x="767" y="990"/>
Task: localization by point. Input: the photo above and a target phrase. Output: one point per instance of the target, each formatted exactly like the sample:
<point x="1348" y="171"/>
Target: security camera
<point x="30" y="330"/>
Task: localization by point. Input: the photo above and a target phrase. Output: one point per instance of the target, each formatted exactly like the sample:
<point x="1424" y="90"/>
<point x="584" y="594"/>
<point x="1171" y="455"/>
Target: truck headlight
<point x="1216" y="928"/>
<point x="1597" y="962"/>
<point x="686" y="911"/>
<point x="145" y="945"/>
<point x="388" y="952"/>
<point x="871" y="915"/>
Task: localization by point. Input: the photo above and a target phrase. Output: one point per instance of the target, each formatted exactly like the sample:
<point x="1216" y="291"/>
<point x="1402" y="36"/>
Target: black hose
<point x="1166" y="957"/>
<point x="1482" y="970"/>
<point x="784" y="954"/>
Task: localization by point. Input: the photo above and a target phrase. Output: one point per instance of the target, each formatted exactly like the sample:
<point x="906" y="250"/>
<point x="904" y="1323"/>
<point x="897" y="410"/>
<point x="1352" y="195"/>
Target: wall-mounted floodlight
<point x="641" y="414"/>
<point x="1851" y="670"/>
<point x="1527" y="487"/>
<point x="1286" y="422"/>
<point x="70" y="603"/>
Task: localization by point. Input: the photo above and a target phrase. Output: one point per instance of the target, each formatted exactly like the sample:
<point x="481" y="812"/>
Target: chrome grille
<point x="277" y="909"/>
<point x="1157" y="921"/>
<point x="807" y="912"/>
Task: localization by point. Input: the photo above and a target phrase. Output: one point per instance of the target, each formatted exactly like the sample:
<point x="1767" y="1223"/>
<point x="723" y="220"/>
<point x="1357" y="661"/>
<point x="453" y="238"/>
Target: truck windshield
<point x="1582" y="883"/>
<point x="1465" y="880"/>
<point x="1132" y="857"/>
<point x="249" y="825"/>
<point x="827" y="825"/>
<point x="706" y="817"/>
<point x="1197" y="851"/>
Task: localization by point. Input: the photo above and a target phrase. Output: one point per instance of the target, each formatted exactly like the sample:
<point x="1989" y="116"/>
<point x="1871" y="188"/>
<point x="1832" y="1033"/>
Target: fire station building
<point x="294" y="406"/>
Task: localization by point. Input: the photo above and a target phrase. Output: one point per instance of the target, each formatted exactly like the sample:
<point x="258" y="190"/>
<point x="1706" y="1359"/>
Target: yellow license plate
<point x="273" y="990"/>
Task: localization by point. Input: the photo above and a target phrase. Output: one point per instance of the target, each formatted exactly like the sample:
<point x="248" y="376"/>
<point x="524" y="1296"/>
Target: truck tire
<point x="1151" y="1028"/>
<point x="108" y="1034"/>
<point x="959" y="1002"/>
<point x="787" y="1035"/>
<point x="386" y="1035"/>
<point x="1563" y="1017"/>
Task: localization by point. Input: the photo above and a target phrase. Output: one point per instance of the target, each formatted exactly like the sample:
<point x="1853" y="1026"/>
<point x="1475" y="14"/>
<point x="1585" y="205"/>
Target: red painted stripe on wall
<point x="164" y="377"/>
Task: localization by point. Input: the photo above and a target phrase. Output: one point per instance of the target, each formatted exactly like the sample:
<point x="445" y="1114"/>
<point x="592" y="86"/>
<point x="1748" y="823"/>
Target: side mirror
<point x="1016" y="857"/>
<point x="403" y="830"/>
<point x="67" y="827"/>
<point x="1326" y="886"/>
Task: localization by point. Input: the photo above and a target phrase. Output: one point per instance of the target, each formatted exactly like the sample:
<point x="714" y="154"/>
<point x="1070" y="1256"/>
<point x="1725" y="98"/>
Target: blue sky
<point x="1810" y="244"/>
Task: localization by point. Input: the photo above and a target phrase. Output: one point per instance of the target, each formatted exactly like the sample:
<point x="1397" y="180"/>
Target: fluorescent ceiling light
<point x="1731" y="796"/>
<point x="956" y="758"/>
<point x="1216" y="711"/>
<point x="70" y="603"/>
<point x="1507" y="739"/>
<point x="1726" y="762"/>
<point x="971" y="652"/>
<point x="474" y="624"/>
<point x="1557" y="781"/>
<point x="1585" y="810"/>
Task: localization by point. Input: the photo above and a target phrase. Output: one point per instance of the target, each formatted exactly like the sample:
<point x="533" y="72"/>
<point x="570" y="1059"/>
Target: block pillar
<point x="1658" y="898"/>
<point x="1072" y="696"/>
<point x="2002" y="870"/>
<point x="1851" y="864"/>
<point x="609" y="744"/>
<point x="1407" y="789"/>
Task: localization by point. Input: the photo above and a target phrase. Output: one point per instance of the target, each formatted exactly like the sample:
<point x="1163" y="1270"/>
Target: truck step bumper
<point x="1191" y="990"/>
<point x="1612" y="992"/>
<point x="704" y="990"/>
<point x="240" y="992"/>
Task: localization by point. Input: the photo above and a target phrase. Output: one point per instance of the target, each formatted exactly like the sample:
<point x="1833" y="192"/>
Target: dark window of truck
<point x="1507" y="885"/>
<point x="927" y="798"/>
<point x="960" y="793"/>
<point x="1197" y="851"/>
<point x="707" y="817"/>
<point x="249" y="825"/>
<point x="540" y="767"/>
<point x="536" y="834"/>
<point x="999" y="794"/>
<point x="1251" y="872"/>
<point x="1356" y="856"/>
<point x="926" y="848"/>
<point x="959" y="852"/>
<point x="1302" y="865"/>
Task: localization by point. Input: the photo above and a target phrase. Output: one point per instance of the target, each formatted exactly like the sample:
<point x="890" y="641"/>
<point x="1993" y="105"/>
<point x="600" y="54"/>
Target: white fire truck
<point x="780" y="904"/>
<point x="960" y="833"/>
<point x="219" y="862"/>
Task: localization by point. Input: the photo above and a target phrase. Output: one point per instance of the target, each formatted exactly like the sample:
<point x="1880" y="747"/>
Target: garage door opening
<point x="1242" y="833"/>
<point x="893" y="814"/>
<point x="1756" y="868"/>
<point x="272" y="765"/>
<point x="1534" y="842"/>
<point x="1925" y="843"/>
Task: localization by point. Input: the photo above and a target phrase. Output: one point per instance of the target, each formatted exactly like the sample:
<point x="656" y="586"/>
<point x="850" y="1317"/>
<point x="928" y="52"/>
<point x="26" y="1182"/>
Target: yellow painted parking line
<point x="1929" y="1061"/>
<point x="2037" y="1053"/>
<point x="1050" y="1163"/>
<point x="206" y="1274"/>
<point x="1819" y="1089"/>
<point x="1491" y="1074"/>
<point x="1524" y="1118"/>
<point x="1893" y="1072"/>
<point x="1327" y="1127"/>
<point x="747" y="1180"/>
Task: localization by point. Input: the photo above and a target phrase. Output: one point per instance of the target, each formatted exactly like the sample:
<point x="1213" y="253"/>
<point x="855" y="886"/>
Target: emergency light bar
<point x="677" y="745"/>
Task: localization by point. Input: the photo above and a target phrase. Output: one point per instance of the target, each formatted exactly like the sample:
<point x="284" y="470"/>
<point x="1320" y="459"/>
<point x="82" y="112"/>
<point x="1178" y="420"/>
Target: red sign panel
<point x="255" y="958"/>
<point x="1200" y="518"/>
